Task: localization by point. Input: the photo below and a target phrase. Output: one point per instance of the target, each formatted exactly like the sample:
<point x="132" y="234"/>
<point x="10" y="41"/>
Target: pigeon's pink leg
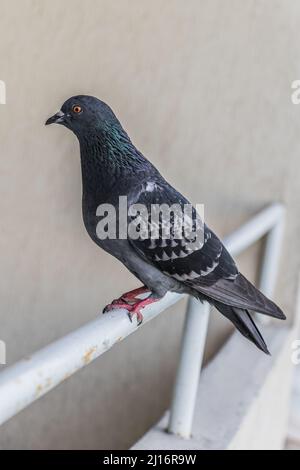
<point x="130" y="302"/>
<point x="131" y="295"/>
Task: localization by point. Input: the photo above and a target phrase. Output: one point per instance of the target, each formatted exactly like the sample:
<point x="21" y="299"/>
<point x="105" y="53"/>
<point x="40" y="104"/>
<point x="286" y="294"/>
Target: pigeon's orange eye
<point x="77" y="109"/>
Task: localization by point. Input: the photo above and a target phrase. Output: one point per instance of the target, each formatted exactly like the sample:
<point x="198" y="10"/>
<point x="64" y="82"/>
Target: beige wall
<point x="203" y="88"/>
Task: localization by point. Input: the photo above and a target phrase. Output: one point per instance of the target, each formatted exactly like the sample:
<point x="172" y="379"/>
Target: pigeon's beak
<point x="57" y="118"/>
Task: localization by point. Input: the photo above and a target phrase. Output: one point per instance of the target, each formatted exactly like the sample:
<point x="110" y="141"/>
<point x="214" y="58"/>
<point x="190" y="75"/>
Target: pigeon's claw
<point x="139" y="316"/>
<point x="136" y="308"/>
<point x="135" y="305"/>
<point x="117" y="303"/>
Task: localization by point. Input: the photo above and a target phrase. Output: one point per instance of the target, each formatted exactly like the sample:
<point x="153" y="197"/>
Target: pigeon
<point x="112" y="167"/>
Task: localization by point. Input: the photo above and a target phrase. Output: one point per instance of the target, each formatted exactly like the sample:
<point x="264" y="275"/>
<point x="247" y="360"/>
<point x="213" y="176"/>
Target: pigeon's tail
<point x="244" y="323"/>
<point x="241" y="294"/>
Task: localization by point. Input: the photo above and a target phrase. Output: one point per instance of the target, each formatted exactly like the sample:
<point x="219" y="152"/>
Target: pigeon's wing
<point x="197" y="259"/>
<point x="202" y="263"/>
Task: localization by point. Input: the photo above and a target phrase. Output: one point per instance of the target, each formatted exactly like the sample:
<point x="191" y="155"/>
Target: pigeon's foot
<point x="132" y="304"/>
<point x="136" y="308"/>
<point x="127" y="300"/>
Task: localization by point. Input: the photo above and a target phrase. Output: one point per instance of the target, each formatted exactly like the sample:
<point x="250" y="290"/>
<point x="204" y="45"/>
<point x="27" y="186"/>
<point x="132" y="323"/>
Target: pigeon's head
<point x="84" y="115"/>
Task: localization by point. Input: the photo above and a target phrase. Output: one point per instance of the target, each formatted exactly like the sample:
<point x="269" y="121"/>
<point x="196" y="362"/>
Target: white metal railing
<point x="29" y="379"/>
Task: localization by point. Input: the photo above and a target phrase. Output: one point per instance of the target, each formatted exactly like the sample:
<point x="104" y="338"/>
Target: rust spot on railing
<point x="40" y="388"/>
<point x="88" y="355"/>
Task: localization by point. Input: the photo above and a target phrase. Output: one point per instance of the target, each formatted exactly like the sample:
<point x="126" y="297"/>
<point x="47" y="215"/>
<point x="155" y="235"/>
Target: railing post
<point x="270" y="260"/>
<point x="188" y="373"/>
<point x="271" y="256"/>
